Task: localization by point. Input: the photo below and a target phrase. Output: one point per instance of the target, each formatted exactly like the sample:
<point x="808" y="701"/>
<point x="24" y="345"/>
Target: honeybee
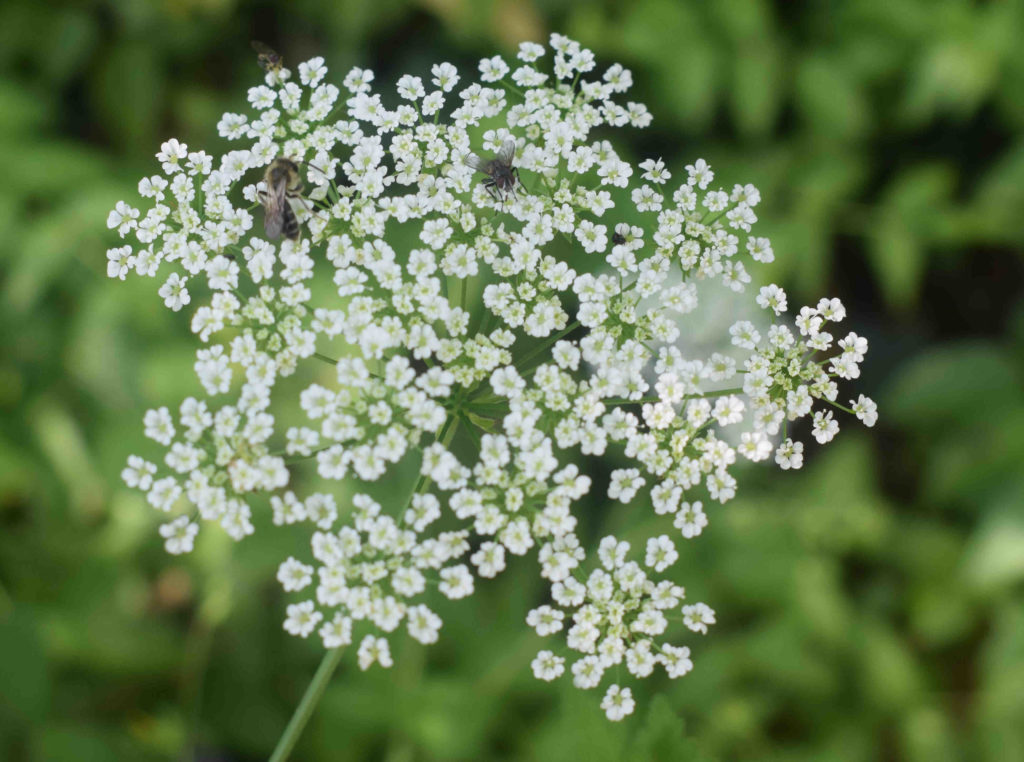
<point x="268" y="58"/>
<point x="502" y="177"/>
<point x="283" y="182"/>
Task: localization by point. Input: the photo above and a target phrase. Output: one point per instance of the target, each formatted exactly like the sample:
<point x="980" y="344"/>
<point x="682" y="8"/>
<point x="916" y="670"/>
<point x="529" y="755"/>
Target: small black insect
<point x="618" y="239"/>
<point x="268" y="58"/>
<point x="502" y="177"/>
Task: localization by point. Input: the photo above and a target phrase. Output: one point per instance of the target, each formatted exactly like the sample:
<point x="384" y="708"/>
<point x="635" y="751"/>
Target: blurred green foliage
<point x="870" y="607"/>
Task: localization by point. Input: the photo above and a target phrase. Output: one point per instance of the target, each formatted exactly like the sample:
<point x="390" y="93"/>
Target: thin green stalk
<point x="469" y="427"/>
<point x="325" y="358"/>
<point x="309" y="701"/>
<point x="551" y="341"/>
<point x="841" y="407"/>
<point x="199" y="642"/>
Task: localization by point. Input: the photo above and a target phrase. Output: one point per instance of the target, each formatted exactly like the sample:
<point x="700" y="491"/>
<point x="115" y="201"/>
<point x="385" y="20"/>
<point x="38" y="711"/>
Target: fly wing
<point x="507" y="152"/>
<point x="259" y="47"/>
<point x="475" y="162"/>
<point x="274" y="202"/>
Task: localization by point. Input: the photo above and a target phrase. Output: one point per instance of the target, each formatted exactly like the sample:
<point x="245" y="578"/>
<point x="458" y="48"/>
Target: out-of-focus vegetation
<point x="870" y="607"/>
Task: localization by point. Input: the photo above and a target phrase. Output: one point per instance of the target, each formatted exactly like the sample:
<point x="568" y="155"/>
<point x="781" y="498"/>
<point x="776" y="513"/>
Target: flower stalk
<point x="308" y="704"/>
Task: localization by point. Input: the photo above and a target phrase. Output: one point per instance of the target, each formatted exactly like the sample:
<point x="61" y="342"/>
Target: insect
<point x="283" y="182"/>
<point x="267" y="57"/>
<point x="501" y="175"/>
<point x="618" y="239"/>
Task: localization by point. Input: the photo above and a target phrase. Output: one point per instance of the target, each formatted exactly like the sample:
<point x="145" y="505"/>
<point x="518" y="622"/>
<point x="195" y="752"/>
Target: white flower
<point x="122" y="217"/>
<point x="545" y="620"/>
<point x="423" y="624"/>
<point x="179" y="535"/>
<point x="825" y="427"/>
<point x="410" y="87"/>
<point x="489" y="559"/>
<point x="337" y="632"/>
<point x="530" y="51"/>
<point x="302" y="619"/>
<point x="755" y="445"/>
<point x="294" y="575"/>
<point x="444" y="76"/>
<point x="790" y="454"/>
<point x="119" y="262"/>
<point x="312" y="71"/>
<point x="690" y="519"/>
<point x="675" y="660"/>
<point x="546" y="666"/>
<point x="456" y="582"/>
<point x="373" y="650"/>
<point x="159" y="425"/>
<point x="174" y="293"/>
<point x="625" y="483"/>
<point x="164" y="494"/>
<point x="866" y="410"/>
<point x="661" y="553"/>
<point x="138" y="473"/>
<point x="592" y="237"/>
<point x="618" y="703"/>
<point x="698" y="616"/>
<point x="492" y="69"/>
<point x="772" y="297"/>
<point x="170" y="155"/>
<point x="358" y="80"/>
<point x="700" y="174"/>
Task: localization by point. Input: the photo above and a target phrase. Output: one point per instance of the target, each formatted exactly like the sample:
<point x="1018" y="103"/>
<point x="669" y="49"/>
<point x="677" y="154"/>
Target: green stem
<point x="841" y="407"/>
<point x="309" y="701"/>
<point x="551" y="341"/>
<point x="298" y="458"/>
<point x="325" y="358"/>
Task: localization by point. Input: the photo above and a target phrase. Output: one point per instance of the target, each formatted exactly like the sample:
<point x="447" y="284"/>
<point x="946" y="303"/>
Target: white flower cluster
<point x="616" y="613"/>
<point x="551" y="362"/>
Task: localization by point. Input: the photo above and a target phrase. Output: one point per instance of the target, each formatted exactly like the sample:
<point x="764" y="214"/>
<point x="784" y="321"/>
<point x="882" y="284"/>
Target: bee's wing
<point x="274" y="200"/>
<point x="507" y="152"/>
<point x="259" y="47"/>
<point x="475" y="162"/>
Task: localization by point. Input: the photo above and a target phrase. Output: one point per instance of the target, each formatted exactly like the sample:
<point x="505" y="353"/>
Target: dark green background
<point x="870" y="607"/>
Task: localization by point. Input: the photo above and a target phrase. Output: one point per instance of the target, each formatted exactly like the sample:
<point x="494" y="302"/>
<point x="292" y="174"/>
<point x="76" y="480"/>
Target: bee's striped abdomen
<point x="291" y="222"/>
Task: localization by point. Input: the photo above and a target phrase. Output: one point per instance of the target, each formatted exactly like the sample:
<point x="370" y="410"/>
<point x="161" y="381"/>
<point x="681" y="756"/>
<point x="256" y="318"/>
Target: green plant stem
<point x="325" y="358"/>
<point x="309" y="701"/>
<point x="549" y="342"/>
